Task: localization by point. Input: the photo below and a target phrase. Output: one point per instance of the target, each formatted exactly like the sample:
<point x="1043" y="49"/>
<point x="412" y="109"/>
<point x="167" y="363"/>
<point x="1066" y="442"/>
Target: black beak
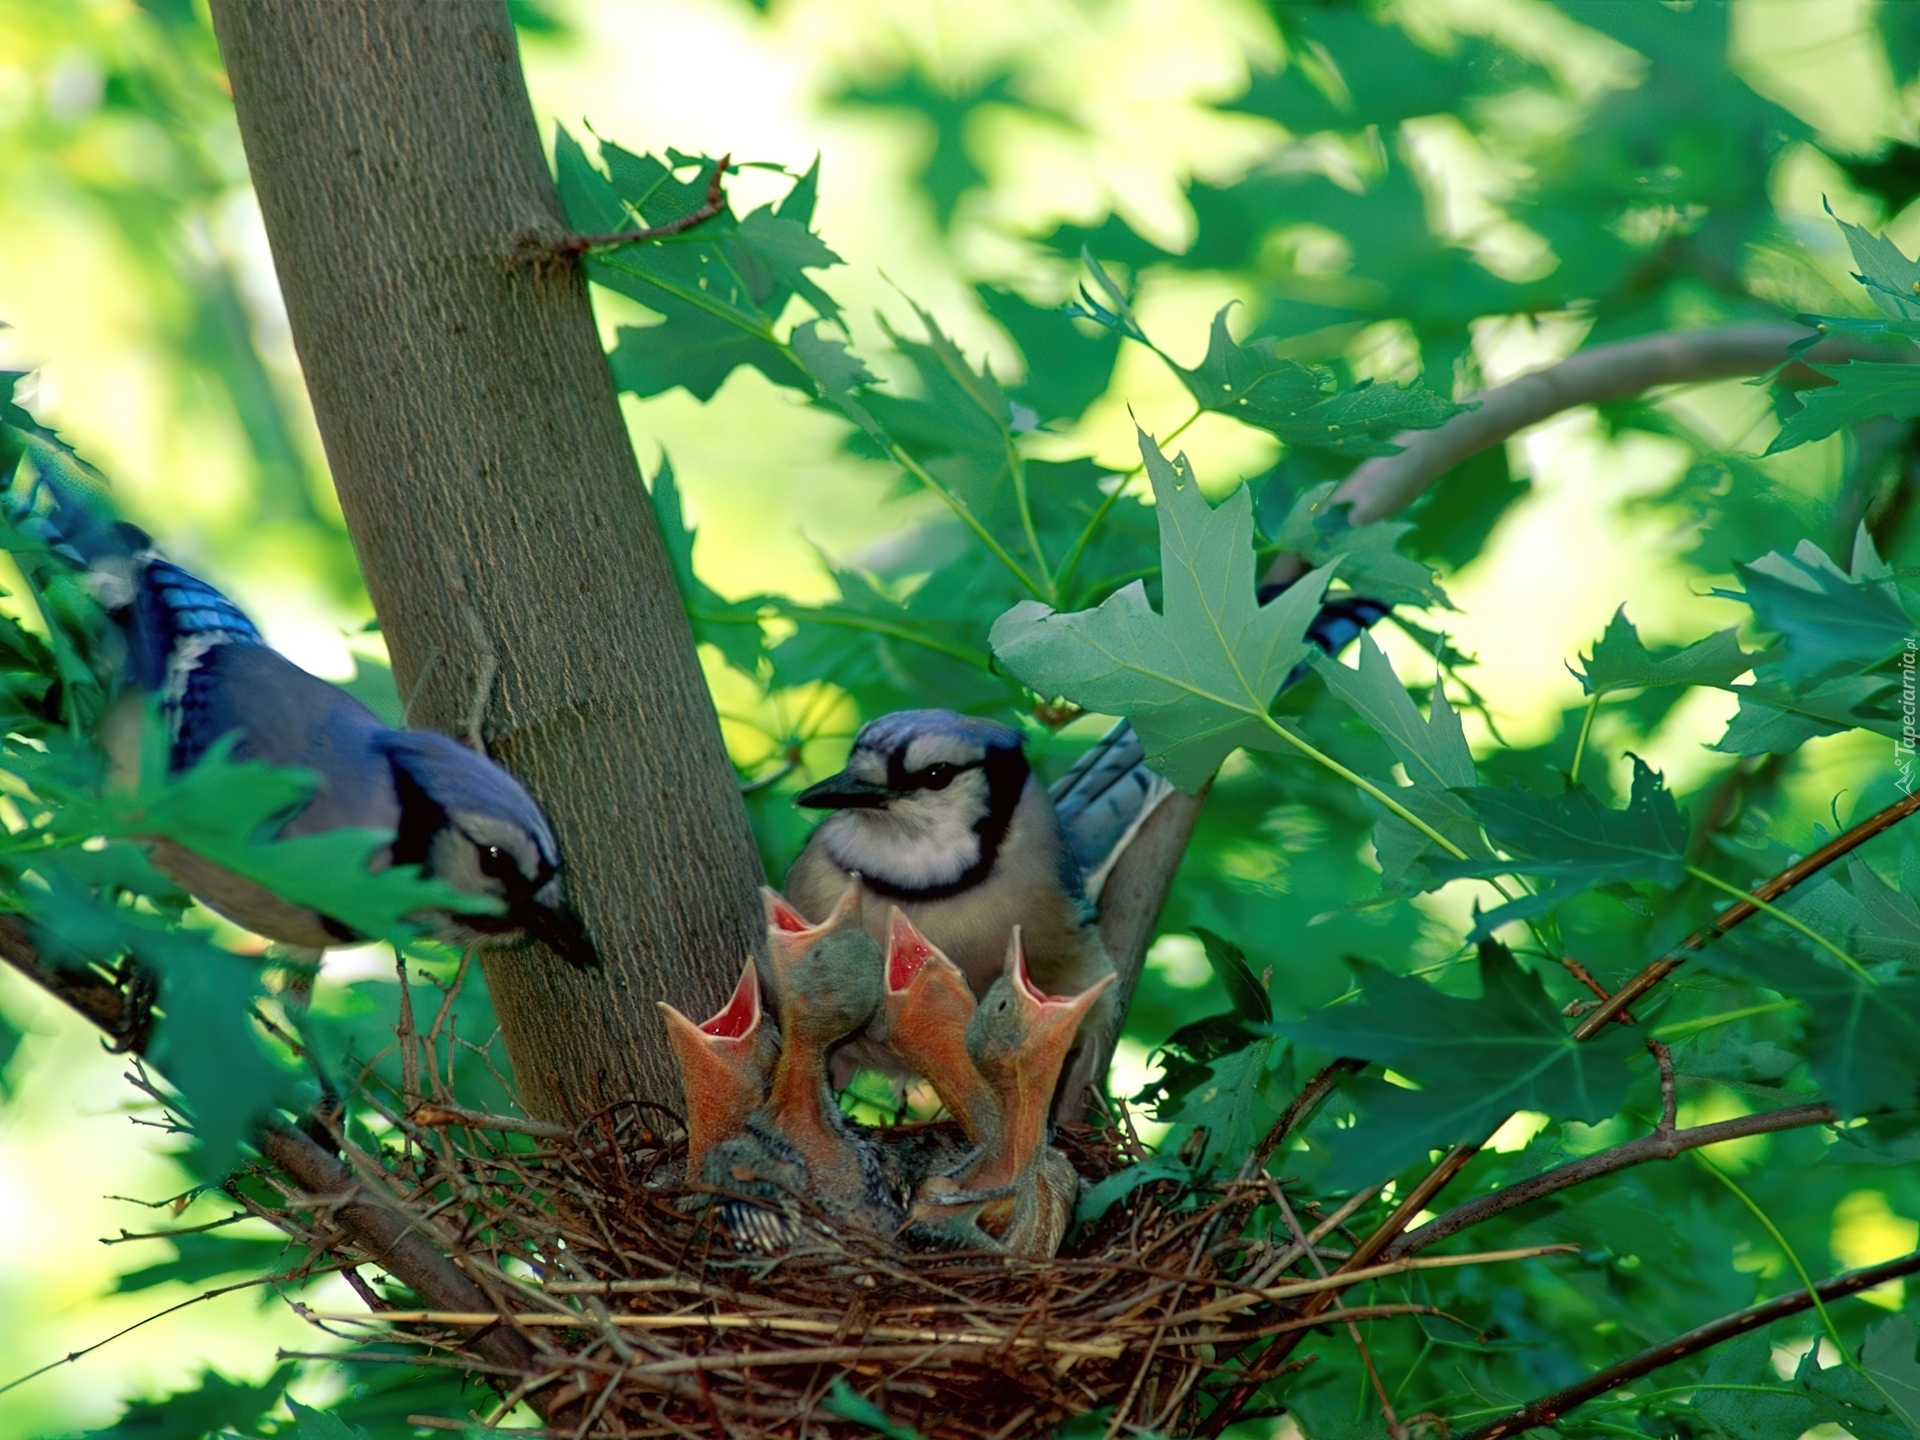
<point x="844" y="792"/>
<point x="559" y="929"/>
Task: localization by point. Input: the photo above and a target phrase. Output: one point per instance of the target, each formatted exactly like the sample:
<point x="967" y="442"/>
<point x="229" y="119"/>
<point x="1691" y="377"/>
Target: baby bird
<point x="826" y="986"/>
<point x="1018" y="1193"/>
<point x="941" y="814"/>
<point x="927" y="1010"/>
<point x="725" y="1062"/>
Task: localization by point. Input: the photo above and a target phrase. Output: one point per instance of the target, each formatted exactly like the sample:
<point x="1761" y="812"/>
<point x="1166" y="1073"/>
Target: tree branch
<point x="1657" y="1146"/>
<point x="1742" y="910"/>
<point x="381" y="1232"/>
<point x="1378" y="488"/>
<point x="1549" y="1407"/>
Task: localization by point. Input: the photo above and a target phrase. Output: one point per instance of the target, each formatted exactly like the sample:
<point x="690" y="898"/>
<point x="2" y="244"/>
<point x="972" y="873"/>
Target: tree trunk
<point x="491" y="491"/>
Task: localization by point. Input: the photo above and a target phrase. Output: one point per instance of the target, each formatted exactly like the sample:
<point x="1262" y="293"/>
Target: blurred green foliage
<point x="1431" y="182"/>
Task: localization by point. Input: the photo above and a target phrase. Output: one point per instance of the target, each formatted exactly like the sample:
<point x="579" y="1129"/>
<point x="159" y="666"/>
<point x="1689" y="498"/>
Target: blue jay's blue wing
<point x="1103" y="799"/>
<point x="1108" y="794"/>
<point x="453" y="812"/>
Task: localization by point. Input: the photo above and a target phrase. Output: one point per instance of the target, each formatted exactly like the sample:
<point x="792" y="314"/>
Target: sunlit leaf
<point x="1195" y="679"/>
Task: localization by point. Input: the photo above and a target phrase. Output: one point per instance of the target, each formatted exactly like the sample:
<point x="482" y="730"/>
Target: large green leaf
<point x="1433" y="753"/>
<point x="1861" y="390"/>
<point x="731" y="626"/>
<point x="1577" y="839"/>
<point x="1196" y="680"/>
<point x="1864" y="1045"/>
<point x="1620" y="661"/>
<point x="1830" y="620"/>
<point x="215" y="1406"/>
<point x="1475" y="1061"/>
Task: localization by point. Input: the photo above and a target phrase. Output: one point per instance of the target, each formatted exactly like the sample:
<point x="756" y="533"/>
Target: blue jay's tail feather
<point x="165" y="612"/>
<point x="1108" y="794"/>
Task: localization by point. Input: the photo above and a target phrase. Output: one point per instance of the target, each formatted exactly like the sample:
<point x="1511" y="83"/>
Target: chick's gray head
<point x="924" y="802"/>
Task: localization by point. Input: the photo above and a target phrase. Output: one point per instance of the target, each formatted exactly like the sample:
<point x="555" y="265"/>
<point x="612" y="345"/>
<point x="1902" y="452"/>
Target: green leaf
<point x="1367" y="555"/>
<point x="1575" y="839"/>
<point x="1434" y="754"/>
<point x="208" y="1255"/>
<point x="1233" y="1106"/>
<point x="1251" y="383"/>
<point x="1864" y="1047"/>
<point x="311" y="1424"/>
<point x="1103" y="1195"/>
<point x="1892" y="280"/>
<point x="1862" y="389"/>
<point x="842" y="1400"/>
<point x="205" y="1044"/>
<point x="216" y="1404"/>
<point x="1621" y="662"/>
<point x="1243" y="987"/>
<point x="10" y="1038"/>
<point x="1476" y="1061"/>
<point x="1871" y="921"/>
<point x="1067" y="370"/>
<point x="1297" y="402"/>
<point x="1886" y="1351"/>
<point x="1829" y="619"/>
<point x="1743" y="1398"/>
<point x="730" y="626"/>
<point x="1776" y="718"/>
<point x="1196" y="679"/>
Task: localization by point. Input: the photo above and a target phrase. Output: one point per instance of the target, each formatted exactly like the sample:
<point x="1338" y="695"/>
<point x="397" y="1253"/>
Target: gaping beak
<point x="908" y="952"/>
<point x="844" y="791"/>
<point x="553" y="923"/>
<point x="1052" y="1012"/>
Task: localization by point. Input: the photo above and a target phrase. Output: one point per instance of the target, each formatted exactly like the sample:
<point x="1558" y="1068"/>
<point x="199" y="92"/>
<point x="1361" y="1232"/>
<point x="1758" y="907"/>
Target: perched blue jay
<point x="457" y="815"/>
<point x="940" y="814"/>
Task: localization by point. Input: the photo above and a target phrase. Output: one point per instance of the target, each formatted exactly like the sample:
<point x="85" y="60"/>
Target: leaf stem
<point x="1017" y="468"/>
<point x="1793" y="1258"/>
<point x="1079" y="548"/>
<point x="1365" y="785"/>
<point x="1580" y="746"/>
<point x="1681" y="1029"/>
<point x="1774" y="912"/>
<point x="960" y="508"/>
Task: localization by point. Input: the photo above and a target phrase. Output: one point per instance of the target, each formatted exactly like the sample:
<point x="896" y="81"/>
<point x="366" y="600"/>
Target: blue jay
<point x="940" y="814"/>
<point x="457" y="815"/>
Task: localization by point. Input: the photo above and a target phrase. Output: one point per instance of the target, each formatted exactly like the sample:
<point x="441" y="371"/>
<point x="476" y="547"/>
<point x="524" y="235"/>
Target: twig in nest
<point x="716" y="202"/>
<point x="438" y="1117"/>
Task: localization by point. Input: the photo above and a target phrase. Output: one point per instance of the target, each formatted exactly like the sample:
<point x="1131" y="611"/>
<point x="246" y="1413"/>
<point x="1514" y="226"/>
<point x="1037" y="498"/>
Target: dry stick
<point x="1606" y="1162"/>
<point x="1549" y="1407"/>
<point x="1353" y="1329"/>
<point x="1743" y="909"/>
<point x="382" y="1232"/>
<point x="440" y="1117"/>
<point x="716" y="202"/>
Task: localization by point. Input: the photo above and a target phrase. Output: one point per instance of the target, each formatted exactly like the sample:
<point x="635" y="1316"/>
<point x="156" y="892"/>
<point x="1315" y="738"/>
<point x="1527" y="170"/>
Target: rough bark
<point x="491" y="491"/>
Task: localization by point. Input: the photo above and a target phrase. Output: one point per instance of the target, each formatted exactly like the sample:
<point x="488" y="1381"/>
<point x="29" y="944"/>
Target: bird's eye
<point x="495" y="862"/>
<point x="938" y="775"/>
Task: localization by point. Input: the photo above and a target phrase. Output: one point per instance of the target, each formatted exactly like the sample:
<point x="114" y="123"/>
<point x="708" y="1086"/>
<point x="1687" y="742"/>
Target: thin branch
<point x="1741" y="910"/>
<point x="1605" y="1162"/>
<point x="1550" y="1407"/>
<point x="382" y="1232"/>
<point x="1380" y="487"/>
<point x="438" y="1117"/>
<point x="716" y="202"/>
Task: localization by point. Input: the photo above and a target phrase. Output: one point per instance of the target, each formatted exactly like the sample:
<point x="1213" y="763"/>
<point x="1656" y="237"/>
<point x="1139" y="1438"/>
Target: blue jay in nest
<point x="940" y="814"/>
<point x="454" y="813"/>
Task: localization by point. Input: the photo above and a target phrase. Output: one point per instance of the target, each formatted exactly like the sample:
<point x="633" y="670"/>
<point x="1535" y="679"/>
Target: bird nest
<point x="614" y="1311"/>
